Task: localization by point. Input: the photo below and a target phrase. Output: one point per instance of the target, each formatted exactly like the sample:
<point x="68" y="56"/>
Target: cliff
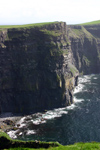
<point x="37" y="69"/>
<point x="40" y="64"/>
<point x="85" y="45"/>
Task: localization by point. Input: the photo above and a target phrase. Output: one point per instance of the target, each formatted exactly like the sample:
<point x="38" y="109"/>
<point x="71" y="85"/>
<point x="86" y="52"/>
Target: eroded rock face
<point x="38" y="65"/>
<point x="85" y="48"/>
<point x="37" y="69"/>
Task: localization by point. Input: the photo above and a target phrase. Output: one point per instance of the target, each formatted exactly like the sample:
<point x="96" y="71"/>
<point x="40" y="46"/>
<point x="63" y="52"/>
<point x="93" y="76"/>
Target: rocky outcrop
<point x="37" y="70"/>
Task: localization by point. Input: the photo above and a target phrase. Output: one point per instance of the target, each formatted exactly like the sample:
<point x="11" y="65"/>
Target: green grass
<point x="6" y="141"/>
<point x="82" y="32"/>
<point x="27" y="25"/>
<point x="86" y="60"/>
<point x="73" y="69"/>
<point x="77" y="146"/>
<point x="52" y="33"/>
<point x="91" y="23"/>
<point x="3" y="134"/>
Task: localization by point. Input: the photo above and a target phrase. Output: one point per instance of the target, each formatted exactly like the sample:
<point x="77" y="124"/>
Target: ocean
<point x="79" y="122"/>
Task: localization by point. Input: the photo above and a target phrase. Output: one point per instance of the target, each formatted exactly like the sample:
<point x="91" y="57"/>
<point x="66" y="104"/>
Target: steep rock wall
<point x="38" y="65"/>
<point x="93" y="29"/>
<point x="37" y="69"/>
<point x="85" y="48"/>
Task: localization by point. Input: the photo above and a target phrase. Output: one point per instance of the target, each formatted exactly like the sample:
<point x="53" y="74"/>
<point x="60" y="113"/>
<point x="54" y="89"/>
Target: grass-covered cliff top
<point x="91" y="23"/>
<point x="27" y="25"/>
<point x="7" y="143"/>
<point x="79" y="31"/>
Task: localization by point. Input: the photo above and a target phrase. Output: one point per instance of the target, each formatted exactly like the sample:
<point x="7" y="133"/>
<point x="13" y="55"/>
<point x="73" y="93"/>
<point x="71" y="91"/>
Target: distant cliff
<point x="85" y="45"/>
<point x="37" y="69"/>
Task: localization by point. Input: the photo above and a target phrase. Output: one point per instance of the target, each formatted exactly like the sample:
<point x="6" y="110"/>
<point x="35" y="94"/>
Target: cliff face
<point x="85" y="45"/>
<point x="38" y="65"/>
<point x="37" y="69"/>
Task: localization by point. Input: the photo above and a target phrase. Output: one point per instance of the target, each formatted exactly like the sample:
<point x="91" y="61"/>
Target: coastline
<point x="8" y="121"/>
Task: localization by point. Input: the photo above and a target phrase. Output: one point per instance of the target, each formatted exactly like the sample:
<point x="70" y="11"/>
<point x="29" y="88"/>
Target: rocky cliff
<point x="85" y="45"/>
<point x="37" y="70"/>
<point x="39" y="64"/>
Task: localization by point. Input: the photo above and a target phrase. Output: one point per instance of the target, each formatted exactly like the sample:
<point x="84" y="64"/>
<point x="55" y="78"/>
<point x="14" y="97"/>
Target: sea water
<point x="79" y="122"/>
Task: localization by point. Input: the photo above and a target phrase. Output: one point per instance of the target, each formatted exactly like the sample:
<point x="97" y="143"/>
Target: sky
<point x="15" y="12"/>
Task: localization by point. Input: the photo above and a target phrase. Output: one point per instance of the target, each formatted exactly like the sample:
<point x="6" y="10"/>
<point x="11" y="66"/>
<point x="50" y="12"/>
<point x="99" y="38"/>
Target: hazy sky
<point x="34" y="11"/>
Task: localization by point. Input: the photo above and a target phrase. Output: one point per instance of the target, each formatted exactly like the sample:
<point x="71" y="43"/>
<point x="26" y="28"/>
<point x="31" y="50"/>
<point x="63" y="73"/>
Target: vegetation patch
<point x="73" y="69"/>
<point x="54" y="33"/>
<point x="27" y="25"/>
<point x="8" y="144"/>
<point x="82" y="33"/>
<point x="86" y="61"/>
<point x="91" y="23"/>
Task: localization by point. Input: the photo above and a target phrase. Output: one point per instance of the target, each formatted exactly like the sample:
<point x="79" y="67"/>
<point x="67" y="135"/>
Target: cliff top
<point x="27" y="25"/>
<point x="91" y="23"/>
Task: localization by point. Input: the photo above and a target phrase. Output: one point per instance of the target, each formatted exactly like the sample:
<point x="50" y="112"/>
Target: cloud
<point x="30" y="11"/>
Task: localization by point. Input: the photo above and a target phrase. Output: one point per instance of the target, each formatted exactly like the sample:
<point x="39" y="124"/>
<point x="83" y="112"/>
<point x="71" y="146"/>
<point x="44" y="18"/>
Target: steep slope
<point x="37" y="69"/>
<point x="85" y="47"/>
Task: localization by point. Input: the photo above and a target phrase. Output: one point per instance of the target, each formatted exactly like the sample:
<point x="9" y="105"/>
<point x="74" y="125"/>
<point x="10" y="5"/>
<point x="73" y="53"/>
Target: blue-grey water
<point x="79" y="122"/>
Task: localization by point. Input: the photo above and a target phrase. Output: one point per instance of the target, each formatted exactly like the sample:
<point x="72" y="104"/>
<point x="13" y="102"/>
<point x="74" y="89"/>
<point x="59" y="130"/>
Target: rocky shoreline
<point x="20" y="126"/>
<point x="8" y="122"/>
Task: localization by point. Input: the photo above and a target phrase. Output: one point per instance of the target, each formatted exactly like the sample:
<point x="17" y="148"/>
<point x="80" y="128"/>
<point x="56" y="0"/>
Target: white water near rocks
<point x="75" y="123"/>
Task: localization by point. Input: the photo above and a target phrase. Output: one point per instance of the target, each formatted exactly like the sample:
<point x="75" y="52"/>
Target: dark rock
<point x="37" y="67"/>
<point x="9" y="122"/>
<point x="85" y="48"/>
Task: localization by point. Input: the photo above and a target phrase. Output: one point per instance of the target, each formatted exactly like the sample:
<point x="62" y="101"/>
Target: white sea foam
<point x="71" y="107"/>
<point x="21" y="120"/>
<point x="95" y="78"/>
<point x="79" y="88"/>
<point x="22" y="125"/>
<point x="47" y="117"/>
<point x="59" y="109"/>
<point x="41" y="118"/>
<point x="63" y="112"/>
<point x="20" y="133"/>
<point x="78" y="100"/>
<point x="12" y="134"/>
<point x="52" y="115"/>
<point x="81" y="85"/>
<point x="38" y="121"/>
<point x="29" y="132"/>
<point x="85" y="79"/>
